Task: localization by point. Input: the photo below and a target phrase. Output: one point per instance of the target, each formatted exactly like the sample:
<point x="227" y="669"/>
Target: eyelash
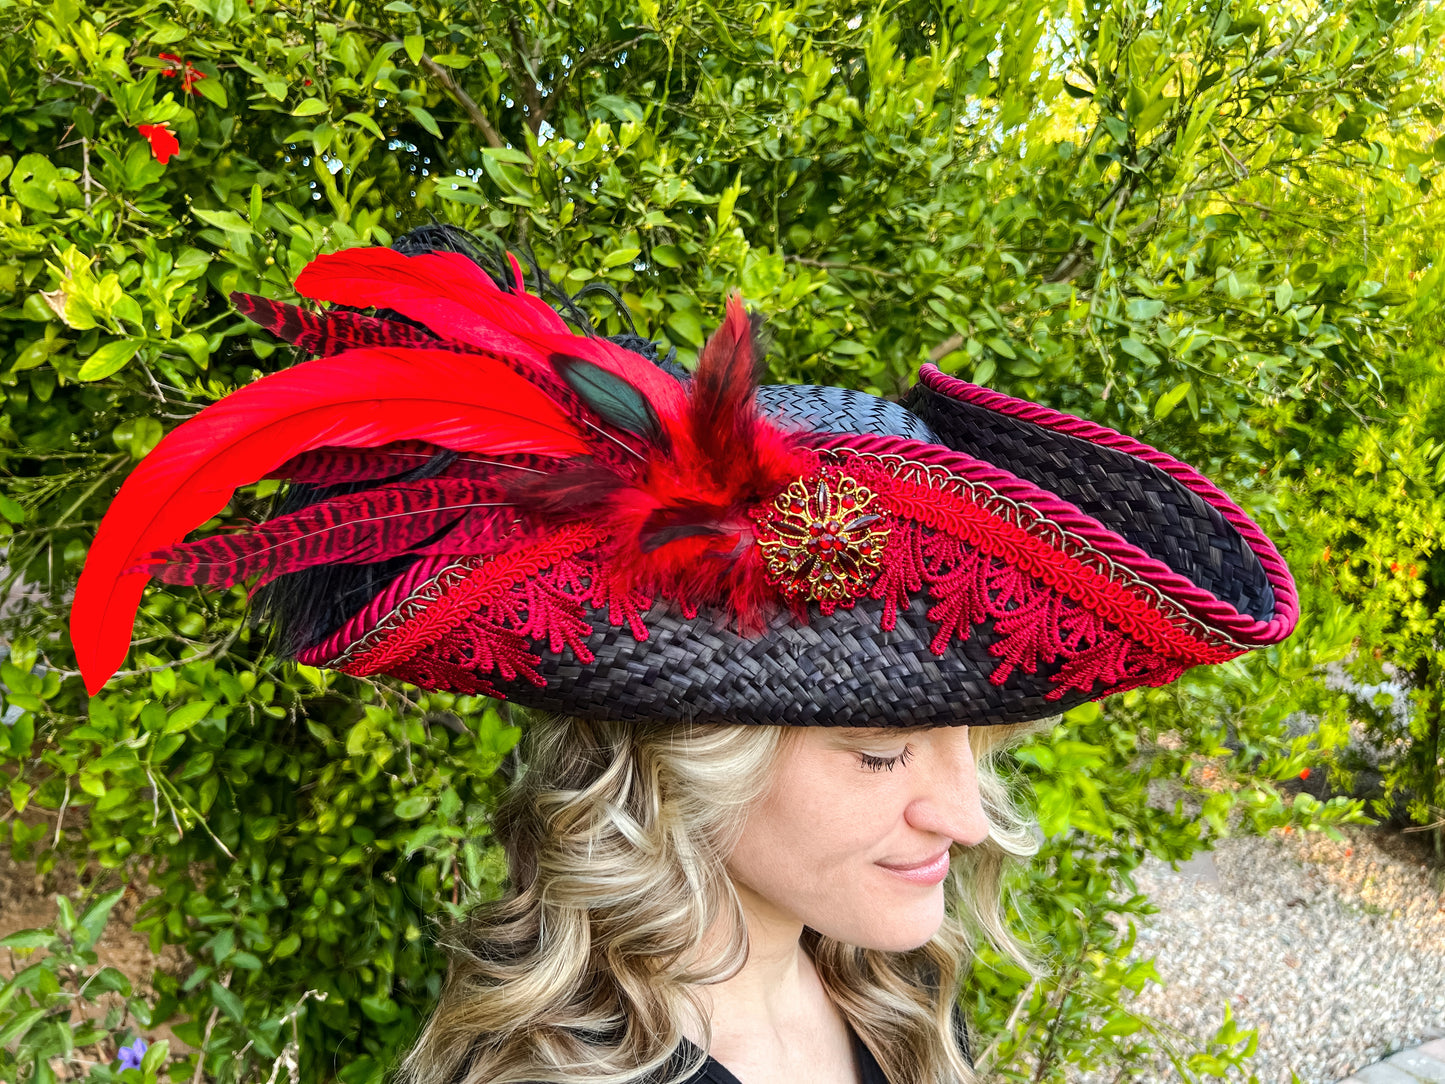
<point x="877" y="764"/>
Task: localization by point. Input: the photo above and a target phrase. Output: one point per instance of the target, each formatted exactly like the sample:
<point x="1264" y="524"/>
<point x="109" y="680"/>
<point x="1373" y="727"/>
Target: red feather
<point x="436" y="517"/>
<point x="450" y="294"/>
<point x="680" y="525"/>
<point x="333" y="466"/>
<point x="327" y="333"/>
<point x="362" y="398"/>
<point x="443" y="290"/>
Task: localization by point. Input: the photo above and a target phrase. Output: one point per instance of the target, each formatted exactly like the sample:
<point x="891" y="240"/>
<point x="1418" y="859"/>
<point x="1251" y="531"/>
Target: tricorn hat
<point x="483" y="500"/>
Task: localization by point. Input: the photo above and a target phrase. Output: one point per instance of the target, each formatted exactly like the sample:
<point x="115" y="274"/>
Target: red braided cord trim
<point x="994" y="535"/>
<point x="1276" y="570"/>
<point x="446" y="601"/>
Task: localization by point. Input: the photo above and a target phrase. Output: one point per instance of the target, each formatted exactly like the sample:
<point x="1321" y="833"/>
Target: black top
<point x="714" y="1072"/>
<point x="869" y="1071"/>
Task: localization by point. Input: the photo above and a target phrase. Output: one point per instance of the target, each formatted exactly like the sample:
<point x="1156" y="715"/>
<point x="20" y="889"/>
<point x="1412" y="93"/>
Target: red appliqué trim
<point x="471" y="586"/>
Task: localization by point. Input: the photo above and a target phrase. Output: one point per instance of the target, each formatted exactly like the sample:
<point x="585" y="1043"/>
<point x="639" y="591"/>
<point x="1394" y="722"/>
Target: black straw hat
<point x="483" y="500"/>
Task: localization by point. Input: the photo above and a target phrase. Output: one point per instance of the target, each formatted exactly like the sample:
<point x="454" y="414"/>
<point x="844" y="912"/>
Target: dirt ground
<point x="27" y="901"/>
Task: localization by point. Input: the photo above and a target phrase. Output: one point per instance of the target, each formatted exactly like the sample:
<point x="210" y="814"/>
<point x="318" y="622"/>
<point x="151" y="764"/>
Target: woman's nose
<point x="948" y="801"/>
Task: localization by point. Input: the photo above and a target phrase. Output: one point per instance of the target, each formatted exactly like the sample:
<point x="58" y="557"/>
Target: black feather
<point x="616" y="400"/>
<point x="661" y="537"/>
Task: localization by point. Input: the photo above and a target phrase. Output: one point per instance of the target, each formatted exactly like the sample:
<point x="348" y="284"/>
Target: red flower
<point x="1304" y="773"/>
<point x="188" y="77"/>
<point x="163" y="141"/>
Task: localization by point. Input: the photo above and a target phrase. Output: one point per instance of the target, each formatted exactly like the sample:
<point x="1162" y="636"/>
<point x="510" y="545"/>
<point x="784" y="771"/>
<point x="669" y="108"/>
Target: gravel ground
<point x="1335" y="952"/>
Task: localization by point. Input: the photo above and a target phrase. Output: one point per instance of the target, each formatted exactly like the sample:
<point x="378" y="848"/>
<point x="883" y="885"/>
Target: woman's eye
<point x="877" y="764"/>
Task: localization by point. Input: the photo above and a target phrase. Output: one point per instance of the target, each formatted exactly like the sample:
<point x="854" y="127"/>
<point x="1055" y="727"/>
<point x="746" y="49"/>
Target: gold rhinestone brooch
<point x="823" y="538"/>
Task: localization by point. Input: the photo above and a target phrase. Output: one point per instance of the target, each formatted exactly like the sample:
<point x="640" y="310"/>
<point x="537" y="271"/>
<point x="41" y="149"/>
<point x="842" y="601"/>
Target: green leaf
<point x="1300" y="123"/>
<point x="309" y="107"/>
<point x="1001" y="346"/>
<point x="21" y="1023"/>
<point x="109" y="359"/>
<point x="1135" y="348"/>
<point x="1352" y="127"/>
<point x="361" y="120"/>
<point x="687" y="326"/>
<point x="27" y="939"/>
<point x="154" y="1057"/>
<point x="11" y="510"/>
<point x="214" y="91"/>
<point x="34" y="183"/>
<point x="425" y="119"/>
<point x="452" y="60"/>
<point x="620" y="256"/>
<point x="1141" y="309"/>
<point x="507" y="154"/>
<point x="1283" y="295"/>
<point x="409" y="809"/>
<point x="229" y="221"/>
<point x="227" y="1002"/>
<point x="187" y="716"/>
<point x="415" y="44"/>
<point x="1170" y="399"/>
<point x="98" y="914"/>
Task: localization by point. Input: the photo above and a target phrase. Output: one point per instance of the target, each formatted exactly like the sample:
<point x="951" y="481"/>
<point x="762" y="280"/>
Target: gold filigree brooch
<point x="823" y="538"/>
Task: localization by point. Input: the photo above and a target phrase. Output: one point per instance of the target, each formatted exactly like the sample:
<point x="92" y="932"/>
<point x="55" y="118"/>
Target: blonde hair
<point x="616" y="837"/>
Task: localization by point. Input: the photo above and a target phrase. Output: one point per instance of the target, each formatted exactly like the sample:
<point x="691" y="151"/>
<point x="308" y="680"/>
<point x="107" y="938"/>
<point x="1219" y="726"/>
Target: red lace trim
<point x="469" y="587"/>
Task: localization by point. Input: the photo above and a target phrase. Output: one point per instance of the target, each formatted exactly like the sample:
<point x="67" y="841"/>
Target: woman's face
<point x="817" y="848"/>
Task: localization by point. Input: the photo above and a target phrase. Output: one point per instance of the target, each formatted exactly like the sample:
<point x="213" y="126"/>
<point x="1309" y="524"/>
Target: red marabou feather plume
<point x="584" y="429"/>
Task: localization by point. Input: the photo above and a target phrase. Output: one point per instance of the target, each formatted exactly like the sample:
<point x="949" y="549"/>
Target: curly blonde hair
<point x="616" y="836"/>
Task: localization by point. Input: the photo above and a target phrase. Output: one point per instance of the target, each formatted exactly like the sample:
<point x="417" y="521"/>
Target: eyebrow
<point x="874" y="733"/>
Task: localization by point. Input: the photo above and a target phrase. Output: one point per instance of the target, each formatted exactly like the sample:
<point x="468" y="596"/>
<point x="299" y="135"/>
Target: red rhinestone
<point x="815" y="529"/>
<point x="848" y="502"/>
<point x="865" y="549"/>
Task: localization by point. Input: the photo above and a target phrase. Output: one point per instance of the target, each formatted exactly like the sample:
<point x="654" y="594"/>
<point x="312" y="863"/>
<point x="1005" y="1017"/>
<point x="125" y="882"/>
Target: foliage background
<point x="1212" y="225"/>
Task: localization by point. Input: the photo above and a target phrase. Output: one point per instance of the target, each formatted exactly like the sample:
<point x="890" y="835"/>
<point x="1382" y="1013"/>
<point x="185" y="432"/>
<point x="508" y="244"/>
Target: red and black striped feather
<point x="436" y="517"/>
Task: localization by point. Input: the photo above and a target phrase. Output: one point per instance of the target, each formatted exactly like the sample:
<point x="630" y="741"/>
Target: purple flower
<point x="130" y="1056"/>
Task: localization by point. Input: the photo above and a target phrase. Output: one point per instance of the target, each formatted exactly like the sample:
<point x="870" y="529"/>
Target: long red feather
<point x="450" y="294"/>
<point x="331" y="466"/>
<point x="436" y="517"/>
<point x="363" y="398"/>
<point x="325" y="333"/>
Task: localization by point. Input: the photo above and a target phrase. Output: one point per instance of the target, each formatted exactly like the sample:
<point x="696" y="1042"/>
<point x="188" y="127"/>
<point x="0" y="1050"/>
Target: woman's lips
<point x="929" y="872"/>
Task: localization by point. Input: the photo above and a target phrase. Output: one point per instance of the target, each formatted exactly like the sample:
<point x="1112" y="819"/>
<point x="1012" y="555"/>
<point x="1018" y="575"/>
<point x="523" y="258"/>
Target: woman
<point x="780" y="630"/>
